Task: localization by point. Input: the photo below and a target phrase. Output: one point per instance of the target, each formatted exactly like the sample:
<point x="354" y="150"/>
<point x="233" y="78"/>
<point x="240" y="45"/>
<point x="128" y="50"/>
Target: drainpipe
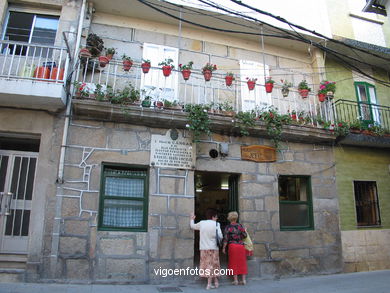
<point x="60" y="178"/>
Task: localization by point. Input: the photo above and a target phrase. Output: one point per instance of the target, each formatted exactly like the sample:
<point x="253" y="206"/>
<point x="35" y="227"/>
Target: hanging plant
<point x="207" y="71"/>
<point x="103" y="61"/>
<point x="303" y="89"/>
<point x="245" y="121"/>
<point x="198" y="120"/>
<point x="127" y="62"/>
<point x="251" y="82"/>
<point x="286" y="87"/>
<point x="110" y="52"/>
<point x="269" y="85"/>
<point x="167" y="66"/>
<point x="145" y="65"/>
<point x="274" y="124"/>
<point x="229" y="78"/>
<point x="186" y="70"/>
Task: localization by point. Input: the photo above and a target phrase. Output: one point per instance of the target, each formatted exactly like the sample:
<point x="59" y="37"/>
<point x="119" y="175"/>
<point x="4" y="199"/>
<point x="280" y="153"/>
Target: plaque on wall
<point x="172" y="150"/>
<point x="258" y="153"/>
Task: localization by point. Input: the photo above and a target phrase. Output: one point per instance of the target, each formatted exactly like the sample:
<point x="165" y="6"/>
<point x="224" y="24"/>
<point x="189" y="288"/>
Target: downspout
<point x="60" y="178"/>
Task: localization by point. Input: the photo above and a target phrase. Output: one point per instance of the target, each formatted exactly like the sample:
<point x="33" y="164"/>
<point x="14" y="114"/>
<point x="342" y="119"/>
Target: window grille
<point x="366" y="202"/>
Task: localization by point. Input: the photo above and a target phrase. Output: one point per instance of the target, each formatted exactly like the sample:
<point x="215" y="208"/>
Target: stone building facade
<point x="70" y="240"/>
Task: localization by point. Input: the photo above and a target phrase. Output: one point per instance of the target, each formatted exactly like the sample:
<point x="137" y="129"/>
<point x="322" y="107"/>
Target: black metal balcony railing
<point x="366" y="113"/>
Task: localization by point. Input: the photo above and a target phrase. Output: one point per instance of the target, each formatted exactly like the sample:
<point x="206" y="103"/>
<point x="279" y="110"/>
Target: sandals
<point x="235" y="283"/>
<point x="210" y="287"/>
<point x="243" y="282"/>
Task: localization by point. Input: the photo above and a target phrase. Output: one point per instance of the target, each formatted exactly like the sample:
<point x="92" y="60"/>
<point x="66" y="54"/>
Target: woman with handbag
<point x="209" y="252"/>
<point x="234" y="234"/>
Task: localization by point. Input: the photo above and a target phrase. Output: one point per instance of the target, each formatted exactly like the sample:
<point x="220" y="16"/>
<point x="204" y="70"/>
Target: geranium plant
<point x="187" y="66"/>
<point x="269" y="80"/>
<point x="167" y="62"/>
<point x="210" y="67"/>
<point x="327" y="86"/>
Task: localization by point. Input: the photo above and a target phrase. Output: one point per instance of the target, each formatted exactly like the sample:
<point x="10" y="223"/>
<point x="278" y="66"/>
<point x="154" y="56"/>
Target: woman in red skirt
<point x="234" y="233"/>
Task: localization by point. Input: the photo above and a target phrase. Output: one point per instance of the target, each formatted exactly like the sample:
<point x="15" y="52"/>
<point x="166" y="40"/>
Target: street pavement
<point x="362" y="282"/>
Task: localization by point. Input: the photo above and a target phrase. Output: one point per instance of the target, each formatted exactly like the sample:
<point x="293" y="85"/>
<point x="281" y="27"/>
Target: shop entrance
<point x="218" y="191"/>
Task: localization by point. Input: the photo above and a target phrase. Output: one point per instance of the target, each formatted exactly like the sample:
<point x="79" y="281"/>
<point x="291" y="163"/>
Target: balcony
<point x="369" y="123"/>
<point x="99" y="84"/>
<point x="32" y="76"/>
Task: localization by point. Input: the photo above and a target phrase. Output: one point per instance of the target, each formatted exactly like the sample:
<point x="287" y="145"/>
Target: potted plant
<point x="172" y="105"/>
<point x="286" y="87"/>
<point x="110" y="52"/>
<point x="128" y="95"/>
<point x="147" y="102"/>
<point x="229" y="77"/>
<point x="127" y="62"/>
<point x="269" y="85"/>
<point x="226" y="108"/>
<point x="251" y="82"/>
<point x="303" y="89"/>
<point x="327" y="88"/>
<point x="186" y="70"/>
<point x="207" y="71"/>
<point x="145" y="65"/>
<point x="84" y="53"/>
<point x="95" y="45"/>
<point x="103" y="61"/>
<point x="198" y="120"/>
<point x="167" y="66"/>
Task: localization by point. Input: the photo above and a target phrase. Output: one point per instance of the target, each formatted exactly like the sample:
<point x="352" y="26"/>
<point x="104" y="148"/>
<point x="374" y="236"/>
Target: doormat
<point x="169" y="289"/>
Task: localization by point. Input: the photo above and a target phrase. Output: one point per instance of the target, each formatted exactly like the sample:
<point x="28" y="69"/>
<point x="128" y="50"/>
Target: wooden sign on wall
<point x="258" y="153"/>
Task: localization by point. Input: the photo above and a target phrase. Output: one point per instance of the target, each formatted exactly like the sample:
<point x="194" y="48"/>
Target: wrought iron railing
<point x="350" y="111"/>
<point x="195" y="90"/>
<point x="33" y="62"/>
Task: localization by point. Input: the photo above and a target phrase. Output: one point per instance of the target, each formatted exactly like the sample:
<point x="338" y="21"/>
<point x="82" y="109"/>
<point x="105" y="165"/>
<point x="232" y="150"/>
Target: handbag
<point x="248" y="245"/>
<point x="218" y="240"/>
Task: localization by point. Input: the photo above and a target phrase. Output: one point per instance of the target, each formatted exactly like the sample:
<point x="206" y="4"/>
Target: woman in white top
<point x="209" y="252"/>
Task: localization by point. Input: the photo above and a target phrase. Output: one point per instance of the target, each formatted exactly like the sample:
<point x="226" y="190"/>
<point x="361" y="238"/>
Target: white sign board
<point x="176" y="153"/>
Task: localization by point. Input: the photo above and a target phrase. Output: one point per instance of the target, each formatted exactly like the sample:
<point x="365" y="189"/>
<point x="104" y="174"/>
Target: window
<point x="368" y="109"/>
<point x="366" y="201"/>
<point x="123" y="198"/>
<point x="155" y="84"/>
<point x="296" y="211"/>
<point x="30" y="28"/>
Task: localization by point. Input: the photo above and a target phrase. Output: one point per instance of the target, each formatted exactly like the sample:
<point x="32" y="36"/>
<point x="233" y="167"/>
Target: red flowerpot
<point x="321" y="97"/>
<point x="207" y="74"/>
<point x="127" y="65"/>
<point x="159" y="104"/>
<point x="42" y="72"/>
<point x="228" y="80"/>
<point x="84" y="52"/>
<point x="251" y="85"/>
<point x="145" y="67"/>
<point x="268" y="87"/>
<point x="103" y="61"/>
<point x="167" y="70"/>
<point x="54" y="72"/>
<point x="294" y="116"/>
<point x="186" y="73"/>
<point x="304" y="93"/>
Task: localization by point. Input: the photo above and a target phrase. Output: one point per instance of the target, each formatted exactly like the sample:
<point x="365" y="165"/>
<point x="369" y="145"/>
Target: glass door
<point x="368" y="109"/>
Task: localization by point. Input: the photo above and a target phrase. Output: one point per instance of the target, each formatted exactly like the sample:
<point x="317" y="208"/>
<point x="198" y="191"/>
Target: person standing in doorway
<point x="209" y="252"/>
<point x="234" y="234"/>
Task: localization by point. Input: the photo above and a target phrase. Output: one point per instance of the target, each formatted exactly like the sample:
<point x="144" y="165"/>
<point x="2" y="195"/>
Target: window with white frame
<point x="30" y="28"/>
<point x="155" y="84"/>
<point x="258" y="96"/>
<point x="123" y="198"/>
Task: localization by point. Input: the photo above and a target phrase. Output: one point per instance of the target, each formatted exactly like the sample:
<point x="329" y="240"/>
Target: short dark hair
<point x="211" y="213"/>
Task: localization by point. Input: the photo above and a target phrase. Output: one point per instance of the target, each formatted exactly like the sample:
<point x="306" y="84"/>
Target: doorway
<point x="218" y="191"/>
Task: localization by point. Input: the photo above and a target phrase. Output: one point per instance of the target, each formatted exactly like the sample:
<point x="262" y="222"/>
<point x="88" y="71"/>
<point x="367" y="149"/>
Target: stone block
<point x="216" y="49"/>
<point x="171" y="185"/>
<point x="76" y="227"/>
<point x="117" y="246"/>
<point x="73" y="246"/>
<point x="132" y="157"/>
<point x="181" y="206"/>
<point x="169" y="221"/>
<point x="87" y="137"/>
<point x="70" y="207"/>
<point x="263" y="236"/>
<point x="77" y="269"/>
<point x="234" y="166"/>
<point x="234" y="150"/>
<point x="271" y="203"/>
<point x="165" y="246"/>
<point x="215" y="137"/>
<point x="123" y="140"/>
<point x="291" y="253"/>
<point x="158" y="204"/>
<point x="260" y="250"/>
<point x="72" y="173"/>
<point x="127" y="269"/>
<point x="256" y="189"/>
<point x="73" y="156"/>
<point x="203" y="148"/>
<point x="247" y="177"/>
<point x="319" y="156"/>
<point x="247" y="205"/>
<point x="90" y="201"/>
<point x="259" y="204"/>
<point x="184" y="228"/>
<point x="183" y="249"/>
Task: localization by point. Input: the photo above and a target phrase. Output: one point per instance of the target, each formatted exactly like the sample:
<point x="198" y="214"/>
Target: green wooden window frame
<point x="287" y="203"/>
<point x="366" y="104"/>
<point x="128" y="199"/>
